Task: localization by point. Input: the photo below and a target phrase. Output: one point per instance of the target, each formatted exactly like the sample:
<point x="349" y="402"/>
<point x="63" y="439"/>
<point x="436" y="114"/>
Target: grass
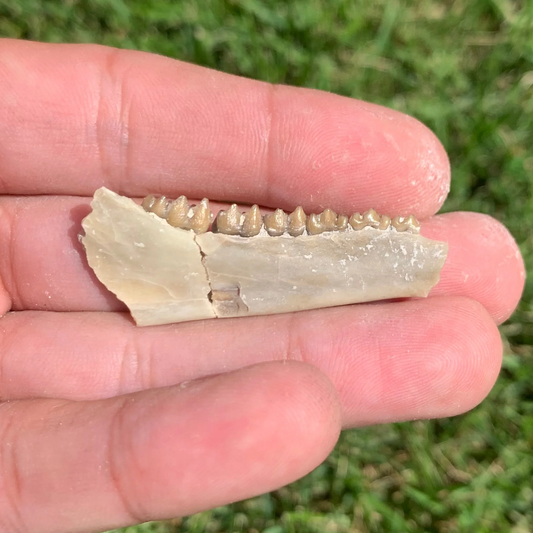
<point x="463" y="67"/>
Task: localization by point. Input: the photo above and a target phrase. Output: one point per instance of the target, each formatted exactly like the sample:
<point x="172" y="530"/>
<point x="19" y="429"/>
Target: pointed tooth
<point x="148" y="203"/>
<point x="371" y="218"/>
<point x="229" y="222"/>
<point x="328" y="218"/>
<point x="357" y="222"/>
<point x="314" y="225"/>
<point x="161" y="206"/>
<point x="177" y="213"/>
<point x="276" y="223"/>
<point x="252" y="222"/>
<point x="201" y="217"/>
<point x="296" y="225"/>
<point x="342" y="222"/>
<point x="414" y="225"/>
<point x="384" y="223"/>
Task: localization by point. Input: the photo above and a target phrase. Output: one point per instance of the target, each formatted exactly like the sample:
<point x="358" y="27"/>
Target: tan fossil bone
<point x="167" y="274"/>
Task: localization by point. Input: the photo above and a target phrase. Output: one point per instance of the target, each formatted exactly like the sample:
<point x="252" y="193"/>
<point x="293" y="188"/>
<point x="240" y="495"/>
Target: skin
<point x="103" y="424"/>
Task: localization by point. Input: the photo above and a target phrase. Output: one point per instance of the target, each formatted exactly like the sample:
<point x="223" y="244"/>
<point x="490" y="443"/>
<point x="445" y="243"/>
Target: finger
<point x="75" y="117"/>
<point x="388" y="361"/>
<point x="484" y="262"/>
<point x="45" y="266"/>
<point x="162" y="453"/>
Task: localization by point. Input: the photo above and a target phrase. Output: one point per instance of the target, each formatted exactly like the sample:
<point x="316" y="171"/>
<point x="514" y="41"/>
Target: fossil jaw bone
<point x="169" y="274"/>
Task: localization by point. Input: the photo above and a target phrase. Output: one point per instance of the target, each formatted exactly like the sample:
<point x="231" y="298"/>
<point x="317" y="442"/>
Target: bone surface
<point x="167" y="274"/>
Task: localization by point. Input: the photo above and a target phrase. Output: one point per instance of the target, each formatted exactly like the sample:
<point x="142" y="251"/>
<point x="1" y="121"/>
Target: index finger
<point x="76" y="117"/>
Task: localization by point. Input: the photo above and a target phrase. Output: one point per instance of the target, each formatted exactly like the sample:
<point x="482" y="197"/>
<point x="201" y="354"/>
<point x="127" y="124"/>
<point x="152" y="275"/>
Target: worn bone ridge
<point x="250" y="265"/>
<point x="250" y="223"/>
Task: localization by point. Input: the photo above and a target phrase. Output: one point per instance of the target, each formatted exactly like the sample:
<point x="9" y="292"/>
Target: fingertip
<point x="469" y="361"/>
<point x="431" y="168"/>
<point x="484" y="262"/>
<point x="248" y="432"/>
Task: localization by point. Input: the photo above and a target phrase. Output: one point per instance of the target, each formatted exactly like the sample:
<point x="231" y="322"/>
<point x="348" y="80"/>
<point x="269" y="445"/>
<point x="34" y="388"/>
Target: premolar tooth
<point x="229" y="222"/>
<point x="357" y="221"/>
<point x="328" y="218"/>
<point x="252" y="222"/>
<point x="314" y="224"/>
<point x="201" y="217"/>
<point x="178" y="213"/>
<point x="297" y="219"/>
<point x="148" y="203"/>
<point x="276" y="223"/>
<point x="384" y="222"/>
<point x="342" y="222"/>
<point x="160" y="207"/>
<point x="371" y="218"/>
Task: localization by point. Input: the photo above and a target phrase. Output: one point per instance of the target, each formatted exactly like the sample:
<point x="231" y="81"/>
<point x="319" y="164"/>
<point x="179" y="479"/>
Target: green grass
<point x="463" y="67"/>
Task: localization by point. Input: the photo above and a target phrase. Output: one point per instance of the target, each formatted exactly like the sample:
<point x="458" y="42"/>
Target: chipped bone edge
<point x="166" y="274"/>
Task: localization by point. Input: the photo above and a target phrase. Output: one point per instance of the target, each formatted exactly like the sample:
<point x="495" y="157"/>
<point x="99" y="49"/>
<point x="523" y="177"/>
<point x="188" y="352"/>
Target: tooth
<point x="384" y="222"/>
<point x="276" y="223"/>
<point x="342" y="222"/>
<point x="314" y="224"/>
<point x="414" y="225"/>
<point x="400" y="223"/>
<point x="201" y="217"/>
<point x="148" y="202"/>
<point x="357" y="221"/>
<point x="297" y="222"/>
<point x="252" y="222"/>
<point x="371" y="218"/>
<point x="328" y="218"/>
<point x="178" y="213"/>
<point x="229" y="222"/>
<point x="160" y="207"/>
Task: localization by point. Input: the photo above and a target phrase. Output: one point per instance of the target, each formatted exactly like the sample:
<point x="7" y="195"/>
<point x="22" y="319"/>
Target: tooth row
<point x="179" y="214"/>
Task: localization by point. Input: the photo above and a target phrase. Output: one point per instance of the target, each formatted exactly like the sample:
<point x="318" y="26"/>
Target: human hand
<point x="104" y="424"/>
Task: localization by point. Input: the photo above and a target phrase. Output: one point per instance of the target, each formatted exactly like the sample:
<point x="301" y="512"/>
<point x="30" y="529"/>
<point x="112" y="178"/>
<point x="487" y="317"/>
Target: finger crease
<point x="115" y="449"/>
<point x="10" y="475"/>
<point x="294" y="351"/>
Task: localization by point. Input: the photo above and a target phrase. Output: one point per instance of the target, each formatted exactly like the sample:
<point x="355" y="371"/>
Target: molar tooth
<point x="371" y="218"/>
<point x="252" y="222"/>
<point x="314" y="224"/>
<point x="201" y="217"/>
<point x="148" y="203"/>
<point x="276" y="223"/>
<point x="229" y="222"/>
<point x="178" y="213"/>
<point x="357" y="222"/>
<point x="297" y="222"/>
<point x="342" y="222"/>
<point x="400" y="223"/>
<point x="328" y="218"/>
<point x="414" y="225"/>
<point x="160" y="207"/>
<point x="384" y="222"/>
